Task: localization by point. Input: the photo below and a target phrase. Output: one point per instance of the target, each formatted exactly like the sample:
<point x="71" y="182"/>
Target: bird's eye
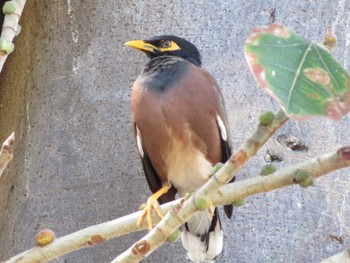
<point x="165" y="44"/>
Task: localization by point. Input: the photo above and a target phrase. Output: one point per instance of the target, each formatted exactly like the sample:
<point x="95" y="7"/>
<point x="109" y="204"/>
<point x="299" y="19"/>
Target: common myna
<point x="181" y="131"/>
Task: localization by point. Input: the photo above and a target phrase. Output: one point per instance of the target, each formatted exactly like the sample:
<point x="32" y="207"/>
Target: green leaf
<point x="302" y="76"/>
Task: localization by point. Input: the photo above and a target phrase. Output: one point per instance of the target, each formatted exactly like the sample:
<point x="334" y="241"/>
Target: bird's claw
<point x="211" y="208"/>
<point x="152" y="204"/>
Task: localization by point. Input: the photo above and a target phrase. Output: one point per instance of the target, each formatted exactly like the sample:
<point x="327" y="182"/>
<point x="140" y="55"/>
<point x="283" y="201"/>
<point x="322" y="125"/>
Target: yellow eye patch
<point x="168" y="45"/>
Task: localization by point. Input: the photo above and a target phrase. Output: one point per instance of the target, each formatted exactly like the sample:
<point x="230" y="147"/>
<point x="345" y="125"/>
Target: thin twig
<point x="10" y="28"/>
<point x="315" y="167"/>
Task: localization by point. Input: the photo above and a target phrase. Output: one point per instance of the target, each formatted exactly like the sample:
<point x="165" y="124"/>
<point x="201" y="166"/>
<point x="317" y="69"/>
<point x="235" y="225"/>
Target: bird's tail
<point x="202" y="237"/>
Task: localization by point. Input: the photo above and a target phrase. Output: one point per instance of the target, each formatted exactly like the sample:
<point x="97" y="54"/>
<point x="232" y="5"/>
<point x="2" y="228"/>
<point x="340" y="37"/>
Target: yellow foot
<point x="151" y="204"/>
<point x="211" y="209"/>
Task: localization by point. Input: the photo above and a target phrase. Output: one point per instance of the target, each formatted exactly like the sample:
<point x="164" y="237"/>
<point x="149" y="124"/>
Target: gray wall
<point x="66" y="92"/>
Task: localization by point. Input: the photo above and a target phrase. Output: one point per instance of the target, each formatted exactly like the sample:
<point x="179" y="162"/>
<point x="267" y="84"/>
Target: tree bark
<point x="65" y="91"/>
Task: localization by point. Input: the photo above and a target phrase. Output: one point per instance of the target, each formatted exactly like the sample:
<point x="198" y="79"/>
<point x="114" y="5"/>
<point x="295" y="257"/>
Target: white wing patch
<point x="222" y="128"/>
<point x="139" y="142"/>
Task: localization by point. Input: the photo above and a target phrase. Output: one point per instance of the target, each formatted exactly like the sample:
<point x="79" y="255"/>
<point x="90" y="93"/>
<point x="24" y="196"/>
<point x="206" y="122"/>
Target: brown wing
<point x="148" y="119"/>
<point x="225" y="141"/>
<point x="153" y="179"/>
<point x="226" y="153"/>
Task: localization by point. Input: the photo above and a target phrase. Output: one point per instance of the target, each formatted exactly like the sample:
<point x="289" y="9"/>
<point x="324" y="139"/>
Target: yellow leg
<point x="211" y="208"/>
<point x="152" y="203"/>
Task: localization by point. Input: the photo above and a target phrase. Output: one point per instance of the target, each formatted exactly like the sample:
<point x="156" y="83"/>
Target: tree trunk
<point x="65" y="91"/>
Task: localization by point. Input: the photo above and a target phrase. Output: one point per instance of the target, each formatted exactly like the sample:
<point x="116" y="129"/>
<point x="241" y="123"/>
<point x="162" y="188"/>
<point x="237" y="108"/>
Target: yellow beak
<point x="141" y="45"/>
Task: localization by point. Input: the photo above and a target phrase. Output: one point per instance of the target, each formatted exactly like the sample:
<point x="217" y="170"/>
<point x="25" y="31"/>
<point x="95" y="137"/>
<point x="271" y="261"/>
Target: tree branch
<point x="86" y="237"/>
<point x="13" y="11"/>
<point x="228" y="193"/>
<point x="6" y="152"/>
<point x="315" y="167"/>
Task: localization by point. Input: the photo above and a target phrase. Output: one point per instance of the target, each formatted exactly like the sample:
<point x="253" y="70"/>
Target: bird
<point x="181" y="131"/>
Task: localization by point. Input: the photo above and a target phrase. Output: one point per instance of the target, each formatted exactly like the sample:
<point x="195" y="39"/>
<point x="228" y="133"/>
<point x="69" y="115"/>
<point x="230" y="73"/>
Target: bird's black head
<point x="168" y="45"/>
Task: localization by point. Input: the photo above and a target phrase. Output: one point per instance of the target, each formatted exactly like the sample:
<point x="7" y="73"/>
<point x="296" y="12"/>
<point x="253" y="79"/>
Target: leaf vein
<point x="307" y="50"/>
